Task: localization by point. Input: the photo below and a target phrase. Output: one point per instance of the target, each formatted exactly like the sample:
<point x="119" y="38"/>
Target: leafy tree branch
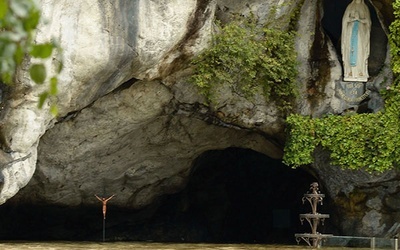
<point x="18" y="22"/>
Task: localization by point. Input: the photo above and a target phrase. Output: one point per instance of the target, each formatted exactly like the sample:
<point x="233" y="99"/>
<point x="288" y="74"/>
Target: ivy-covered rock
<point x="249" y="59"/>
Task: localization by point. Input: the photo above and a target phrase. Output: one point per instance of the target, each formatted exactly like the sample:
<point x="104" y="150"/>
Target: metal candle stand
<point x="314" y="238"/>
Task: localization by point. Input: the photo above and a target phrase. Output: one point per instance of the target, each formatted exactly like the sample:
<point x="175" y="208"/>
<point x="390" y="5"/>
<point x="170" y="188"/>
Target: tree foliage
<point x="18" y="22"/>
<point x="359" y="141"/>
<point x="247" y="57"/>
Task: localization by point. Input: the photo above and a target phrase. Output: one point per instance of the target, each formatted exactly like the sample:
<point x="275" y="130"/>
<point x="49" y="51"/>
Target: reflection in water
<point x="137" y="246"/>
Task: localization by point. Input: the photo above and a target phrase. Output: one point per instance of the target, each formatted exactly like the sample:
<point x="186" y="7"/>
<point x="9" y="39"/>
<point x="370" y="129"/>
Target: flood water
<point x="137" y="246"/>
<point x="145" y="246"/>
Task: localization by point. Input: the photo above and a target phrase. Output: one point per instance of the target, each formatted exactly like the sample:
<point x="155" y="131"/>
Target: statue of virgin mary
<point x="355" y="44"/>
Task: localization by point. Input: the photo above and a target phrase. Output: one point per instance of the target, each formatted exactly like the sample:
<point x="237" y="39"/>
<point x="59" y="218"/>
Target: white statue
<point x="356" y="29"/>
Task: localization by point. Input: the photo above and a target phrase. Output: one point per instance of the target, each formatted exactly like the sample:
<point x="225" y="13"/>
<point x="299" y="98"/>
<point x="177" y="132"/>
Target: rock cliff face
<point x="131" y="124"/>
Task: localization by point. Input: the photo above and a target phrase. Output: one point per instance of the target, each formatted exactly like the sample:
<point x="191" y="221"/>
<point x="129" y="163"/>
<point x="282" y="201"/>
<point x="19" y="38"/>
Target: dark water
<point x="145" y="246"/>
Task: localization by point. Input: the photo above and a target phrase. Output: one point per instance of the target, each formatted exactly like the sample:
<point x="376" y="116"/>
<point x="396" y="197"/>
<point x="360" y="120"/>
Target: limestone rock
<point x="104" y="46"/>
<point x="130" y="122"/>
<point x="126" y="143"/>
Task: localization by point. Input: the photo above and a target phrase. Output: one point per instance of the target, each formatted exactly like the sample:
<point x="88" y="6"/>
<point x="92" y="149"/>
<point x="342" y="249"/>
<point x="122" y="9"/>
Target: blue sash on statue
<point x="354" y="44"/>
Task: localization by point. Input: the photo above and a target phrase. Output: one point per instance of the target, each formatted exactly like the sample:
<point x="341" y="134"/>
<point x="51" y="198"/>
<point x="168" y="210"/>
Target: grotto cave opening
<point x="233" y="195"/>
<point x="237" y="195"/>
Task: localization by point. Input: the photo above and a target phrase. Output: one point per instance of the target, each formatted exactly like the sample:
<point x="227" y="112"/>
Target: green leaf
<point x="42" y="50"/>
<point x="38" y="73"/>
<point x="53" y="86"/>
<point x="42" y="98"/>
<point x="6" y="77"/>
<point x="54" y="110"/>
<point x="3" y="8"/>
<point x="32" y="21"/>
<point x="19" y="54"/>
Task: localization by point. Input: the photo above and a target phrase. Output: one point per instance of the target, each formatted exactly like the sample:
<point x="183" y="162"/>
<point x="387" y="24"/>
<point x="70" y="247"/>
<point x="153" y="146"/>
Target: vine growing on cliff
<point x="18" y="22"/>
<point x="358" y="141"/>
<point x="247" y="58"/>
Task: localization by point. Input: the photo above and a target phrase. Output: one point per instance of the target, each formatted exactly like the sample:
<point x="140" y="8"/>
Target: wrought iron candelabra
<point x="314" y="218"/>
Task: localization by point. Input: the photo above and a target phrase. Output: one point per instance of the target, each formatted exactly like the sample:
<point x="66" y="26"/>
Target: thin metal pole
<point x="104" y="229"/>
<point x="373" y="243"/>
<point x="396" y="244"/>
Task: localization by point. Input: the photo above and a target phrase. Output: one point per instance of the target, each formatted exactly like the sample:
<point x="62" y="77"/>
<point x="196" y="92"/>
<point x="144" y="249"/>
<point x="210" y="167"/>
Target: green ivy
<point x="359" y="141"/>
<point x="394" y="40"/>
<point x="18" y="22"/>
<point x="362" y="141"/>
<point x="248" y="58"/>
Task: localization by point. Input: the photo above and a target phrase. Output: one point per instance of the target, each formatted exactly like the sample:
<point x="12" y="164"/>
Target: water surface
<point x="146" y="246"/>
<point x="137" y="246"/>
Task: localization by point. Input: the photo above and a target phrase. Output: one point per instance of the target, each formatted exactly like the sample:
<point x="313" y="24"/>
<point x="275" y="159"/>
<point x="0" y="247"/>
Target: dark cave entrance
<point x="233" y="195"/>
<point x="238" y="195"/>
